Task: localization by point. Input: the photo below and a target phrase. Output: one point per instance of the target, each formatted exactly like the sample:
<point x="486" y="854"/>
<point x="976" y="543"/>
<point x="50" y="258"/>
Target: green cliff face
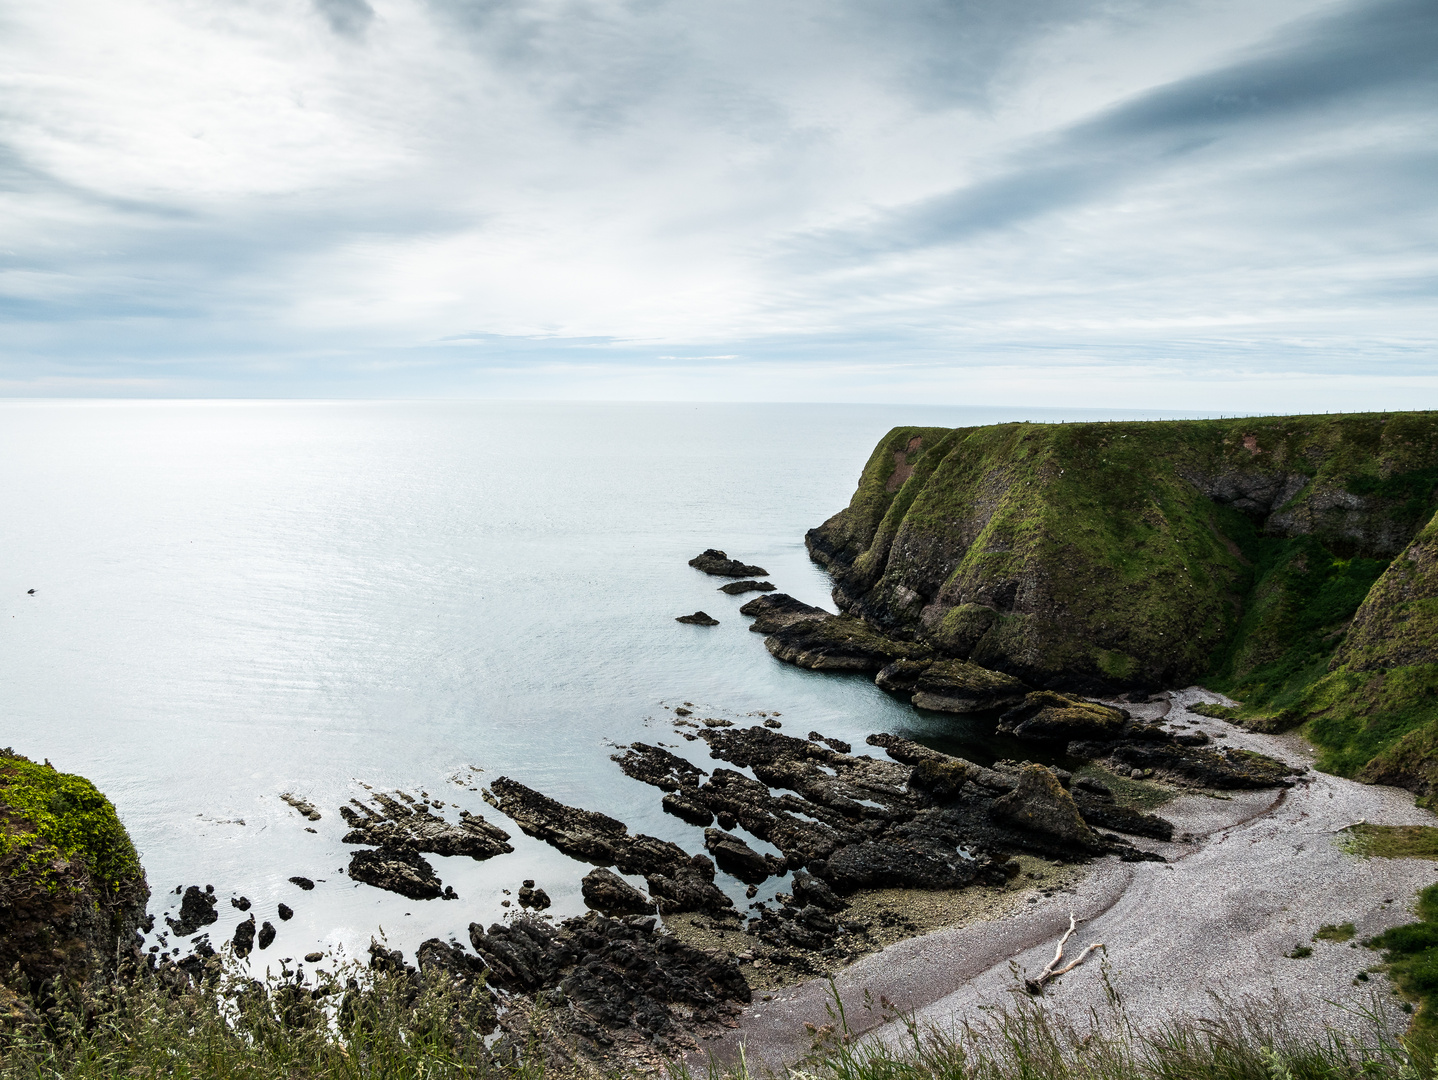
<point x="72" y="890"/>
<point x="1128" y="556"/>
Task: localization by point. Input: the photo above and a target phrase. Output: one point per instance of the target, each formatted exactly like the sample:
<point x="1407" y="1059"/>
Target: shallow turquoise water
<point x="234" y="600"/>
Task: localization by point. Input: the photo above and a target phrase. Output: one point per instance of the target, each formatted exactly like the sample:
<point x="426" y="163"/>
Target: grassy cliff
<point x="72" y="890"/>
<point x="1128" y="556"/>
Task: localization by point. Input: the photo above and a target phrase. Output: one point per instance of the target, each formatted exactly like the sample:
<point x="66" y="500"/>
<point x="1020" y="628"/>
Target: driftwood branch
<point x="1053" y="971"/>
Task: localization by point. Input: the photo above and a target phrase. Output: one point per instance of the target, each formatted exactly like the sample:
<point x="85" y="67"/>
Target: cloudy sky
<point x="1198" y="204"/>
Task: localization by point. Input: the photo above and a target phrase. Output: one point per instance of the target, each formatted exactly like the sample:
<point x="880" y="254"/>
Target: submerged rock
<point x="699" y="618"/>
<point x="302" y="805"/>
<point x="531" y="897"/>
<point x="738" y="588"/>
<point x="715" y="562"/>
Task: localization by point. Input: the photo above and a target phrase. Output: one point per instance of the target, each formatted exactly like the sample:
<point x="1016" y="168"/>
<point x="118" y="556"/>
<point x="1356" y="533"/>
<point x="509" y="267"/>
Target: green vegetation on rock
<point x="1280" y="560"/>
<point x="53" y="817"/>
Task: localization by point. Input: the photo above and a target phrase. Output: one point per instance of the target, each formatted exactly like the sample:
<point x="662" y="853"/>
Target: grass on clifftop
<point x="241" y="1029"/>
<point x="49" y="815"/>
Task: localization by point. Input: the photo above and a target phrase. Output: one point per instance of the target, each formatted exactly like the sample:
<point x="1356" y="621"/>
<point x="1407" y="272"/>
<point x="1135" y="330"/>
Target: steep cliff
<point x="1133" y="555"/>
<point x="72" y="891"/>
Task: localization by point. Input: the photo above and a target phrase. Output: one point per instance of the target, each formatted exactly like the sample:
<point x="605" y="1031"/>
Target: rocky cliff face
<point x="1105" y="557"/>
<point x="72" y="891"/>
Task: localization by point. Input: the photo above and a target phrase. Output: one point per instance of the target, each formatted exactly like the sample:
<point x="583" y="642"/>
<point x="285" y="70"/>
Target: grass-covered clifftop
<point x="1125" y="556"/>
<point x="72" y="890"/>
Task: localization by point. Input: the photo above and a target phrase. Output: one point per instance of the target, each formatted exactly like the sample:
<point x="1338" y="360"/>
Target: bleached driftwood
<point x="1052" y="970"/>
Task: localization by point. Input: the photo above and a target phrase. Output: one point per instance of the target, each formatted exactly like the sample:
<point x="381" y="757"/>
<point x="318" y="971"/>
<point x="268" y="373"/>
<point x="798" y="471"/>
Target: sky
<point x="1184" y="204"/>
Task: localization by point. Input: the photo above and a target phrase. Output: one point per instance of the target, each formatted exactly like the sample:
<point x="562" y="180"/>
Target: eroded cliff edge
<point x="1283" y="560"/>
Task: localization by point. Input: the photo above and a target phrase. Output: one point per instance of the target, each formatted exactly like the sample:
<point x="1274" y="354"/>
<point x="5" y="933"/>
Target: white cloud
<point x="282" y="196"/>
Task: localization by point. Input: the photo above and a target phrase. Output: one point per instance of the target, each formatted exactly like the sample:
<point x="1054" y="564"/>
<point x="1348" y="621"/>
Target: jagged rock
<point x="1225" y="769"/>
<point x="839" y="643"/>
<point x="302" y="805"/>
<point x="241" y="902"/>
<point x="778" y="610"/>
<point x="244" y="939"/>
<point x="266" y="936"/>
<point x="901" y="676"/>
<point x="1040" y="803"/>
<point x="809" y="890"/>
<point x="959" y="686"/>
<point x="735" y="856"/>
<point x="715" y="562"/>
<point x="833" y="744"/>
<point x="699" y="618"/>
<point x="1102" y="813"/>
<point x="531" y="897"/>
<point x="399" y="869"/>
<point x="738" y="588"/>
<point x="197" y="909"/>
<point x="1047" y="715"/>
<point x="688" y="811"/>
<point x="607" y="892"/>
<point x="679" y="881"/>
<point x="286" y="912"/>
<point x="422" y="829"/>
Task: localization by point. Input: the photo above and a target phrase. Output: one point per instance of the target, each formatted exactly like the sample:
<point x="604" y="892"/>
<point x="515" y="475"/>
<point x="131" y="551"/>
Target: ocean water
<point x="239" y="599"/>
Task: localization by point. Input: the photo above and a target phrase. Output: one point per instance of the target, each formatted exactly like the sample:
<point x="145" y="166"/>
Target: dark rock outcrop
<point x="607" y="892"/>
<point x="738" y="588"/>
<point x="303" y="882"/>
<point x="778" y="610"/>
<point x="422" y="829"/>
<point x="286" y="913"/>
<point x="677" y="880"/>
<point x="735" y="856"/>
<point x="398" y="869"/>
<point x="616" y="978"/>
<point x="266" y="937"/>
<point x="529" y="896"/>
<point x="959" y="686"/>
<point x="1046" y="715"/>
<point x="699" y="618"/>
<point x="717" y="563"/>
<point x="1040" y="803"/>
<point x="197" y="909"/>
<point x="244" y="939"/>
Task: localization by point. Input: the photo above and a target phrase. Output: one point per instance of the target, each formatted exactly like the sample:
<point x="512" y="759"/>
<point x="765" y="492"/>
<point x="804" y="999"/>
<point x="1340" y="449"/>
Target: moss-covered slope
<point x="72" y="890"/>
<point x="1132" y="555"/>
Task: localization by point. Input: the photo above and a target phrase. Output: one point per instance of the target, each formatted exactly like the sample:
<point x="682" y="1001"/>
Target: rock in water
<point x="715" y="562"/>
<point x="531" y="897"/>
<point x="286" y="912"/>
<point x="738" y="588"/>
<point x="607" y="892"/>
<point x="1040" y="803"/>
<point x="266" y="935"/>
<point x="241" y="902"/>
<point x="395" y="823"/>
<point x="699" y="618"/>
<point x="778" y="610"/>
<point x="398" y="869"/>
<point x="244" y="939"/>
<point x="735" y="856"/>
<point x="197" y="909"/>
<point x="303" y="882"/>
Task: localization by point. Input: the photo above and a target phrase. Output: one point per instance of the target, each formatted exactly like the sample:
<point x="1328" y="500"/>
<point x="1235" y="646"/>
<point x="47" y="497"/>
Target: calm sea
<point x="234" y="600"/>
